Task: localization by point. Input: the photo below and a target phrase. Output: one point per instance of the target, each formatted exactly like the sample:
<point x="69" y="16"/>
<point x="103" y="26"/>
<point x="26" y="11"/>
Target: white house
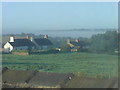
<point x="26" y="43"/>
<point x="18" y="44"/>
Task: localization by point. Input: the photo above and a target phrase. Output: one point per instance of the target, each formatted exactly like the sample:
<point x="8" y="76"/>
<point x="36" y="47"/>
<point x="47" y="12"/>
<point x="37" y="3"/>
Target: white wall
<point x="8" y="47"/>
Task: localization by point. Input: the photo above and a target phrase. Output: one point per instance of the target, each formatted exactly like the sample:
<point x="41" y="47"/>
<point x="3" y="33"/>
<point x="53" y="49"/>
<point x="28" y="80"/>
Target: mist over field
<point x="74" y="33"/>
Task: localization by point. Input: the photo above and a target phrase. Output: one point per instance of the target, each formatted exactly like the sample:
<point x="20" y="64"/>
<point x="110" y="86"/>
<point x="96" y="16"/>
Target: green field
<point x="92" y="65"/>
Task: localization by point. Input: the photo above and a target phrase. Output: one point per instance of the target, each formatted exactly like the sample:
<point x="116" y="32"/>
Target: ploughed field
<point x="87" y="64"/>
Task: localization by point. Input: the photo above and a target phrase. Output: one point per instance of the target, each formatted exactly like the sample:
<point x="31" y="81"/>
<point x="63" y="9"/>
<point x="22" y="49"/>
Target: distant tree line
<point x="104" y="43"/>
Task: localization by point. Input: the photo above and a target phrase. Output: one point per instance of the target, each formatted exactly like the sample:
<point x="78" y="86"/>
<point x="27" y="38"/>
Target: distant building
<point x="27" y="43"/>
<point x="75" y="45"/>
<point x="17" y="44"/>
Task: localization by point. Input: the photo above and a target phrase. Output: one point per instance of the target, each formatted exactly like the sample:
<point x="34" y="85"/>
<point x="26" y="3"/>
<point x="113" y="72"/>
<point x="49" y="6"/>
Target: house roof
<point x="80" y="43"/>
<point x="43" y="41"/>
<point x="21" y="42"/>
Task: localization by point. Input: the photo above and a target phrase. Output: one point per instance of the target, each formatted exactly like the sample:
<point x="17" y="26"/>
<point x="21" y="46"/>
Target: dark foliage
<point x="104" y="43"/>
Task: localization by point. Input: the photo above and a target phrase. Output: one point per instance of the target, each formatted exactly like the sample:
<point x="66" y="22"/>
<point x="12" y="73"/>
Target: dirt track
<point x="34" y="79"/>
<point x="84" y="82"/>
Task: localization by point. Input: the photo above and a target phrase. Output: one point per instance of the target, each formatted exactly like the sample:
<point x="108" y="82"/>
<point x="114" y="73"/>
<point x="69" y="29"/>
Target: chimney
<point x="46" y="36"/>
<point x="11" y="38"/>
<point x="76" y="40"/>
<point x="27" y="37"/>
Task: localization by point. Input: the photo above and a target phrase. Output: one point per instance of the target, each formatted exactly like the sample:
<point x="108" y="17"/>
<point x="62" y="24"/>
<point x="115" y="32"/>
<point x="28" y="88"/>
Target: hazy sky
<point x="34" y="16"/>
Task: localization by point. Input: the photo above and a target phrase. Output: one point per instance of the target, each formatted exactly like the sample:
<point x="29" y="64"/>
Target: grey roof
<point x="43" y="41"/>
<point x="80" y="43"/>
<point x="75" y="43"/>
<point x="21" y="42"/>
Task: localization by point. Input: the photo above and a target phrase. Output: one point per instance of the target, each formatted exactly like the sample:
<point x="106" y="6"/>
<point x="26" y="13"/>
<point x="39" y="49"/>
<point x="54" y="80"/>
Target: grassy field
<point x="91" y="65"/>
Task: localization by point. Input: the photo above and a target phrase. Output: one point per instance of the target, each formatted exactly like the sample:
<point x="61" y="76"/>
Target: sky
<point x="20" y="17"/>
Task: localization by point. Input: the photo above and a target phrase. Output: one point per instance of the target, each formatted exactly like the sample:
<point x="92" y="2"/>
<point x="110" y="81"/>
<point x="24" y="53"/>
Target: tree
<point x="104" y="43"/>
